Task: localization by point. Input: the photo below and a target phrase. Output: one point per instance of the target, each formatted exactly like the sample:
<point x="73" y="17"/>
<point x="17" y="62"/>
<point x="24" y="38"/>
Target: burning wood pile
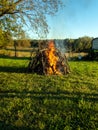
<point x="49" y="61"/>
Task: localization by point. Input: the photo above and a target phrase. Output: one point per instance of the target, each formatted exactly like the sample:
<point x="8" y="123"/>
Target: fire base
<point x="49" y="61"/>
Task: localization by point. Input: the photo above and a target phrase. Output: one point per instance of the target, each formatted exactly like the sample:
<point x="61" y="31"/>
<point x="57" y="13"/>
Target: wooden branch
<point x="17" y="2"/>
<point x="8" y="10"/>
<point x="40" y="64"/>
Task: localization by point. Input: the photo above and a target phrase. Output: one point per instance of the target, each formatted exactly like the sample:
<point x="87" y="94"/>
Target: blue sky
<point x="78" y="18"/>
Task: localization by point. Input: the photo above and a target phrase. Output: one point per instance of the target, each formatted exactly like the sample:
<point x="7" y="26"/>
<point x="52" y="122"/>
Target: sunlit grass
<point x="38" y="102"/>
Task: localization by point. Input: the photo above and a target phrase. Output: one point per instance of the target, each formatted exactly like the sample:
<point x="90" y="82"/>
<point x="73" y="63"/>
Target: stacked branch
<point x="41" y="64"/>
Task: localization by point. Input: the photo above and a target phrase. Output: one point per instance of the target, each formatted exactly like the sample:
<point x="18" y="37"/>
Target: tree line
<point x="82" y="44"/>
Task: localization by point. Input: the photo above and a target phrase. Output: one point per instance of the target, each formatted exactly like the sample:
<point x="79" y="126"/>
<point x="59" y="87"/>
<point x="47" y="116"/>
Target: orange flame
<point x="52" y="59"/>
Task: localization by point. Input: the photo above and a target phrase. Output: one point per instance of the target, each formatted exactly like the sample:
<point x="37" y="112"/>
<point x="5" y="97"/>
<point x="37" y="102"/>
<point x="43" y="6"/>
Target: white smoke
<point x="60" y="45"/>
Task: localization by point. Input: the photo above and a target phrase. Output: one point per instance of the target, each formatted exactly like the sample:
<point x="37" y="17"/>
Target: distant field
<point x="20" y="51"/>
<point x="38" y="102"/>
<point x="26" y="52"/>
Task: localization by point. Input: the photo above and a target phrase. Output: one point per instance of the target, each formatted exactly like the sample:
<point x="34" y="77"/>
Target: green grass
<point x="38" y="102"/>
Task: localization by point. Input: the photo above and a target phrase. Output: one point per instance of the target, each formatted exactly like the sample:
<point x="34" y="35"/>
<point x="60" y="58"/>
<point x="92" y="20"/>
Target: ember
<point x="49" y="61"/>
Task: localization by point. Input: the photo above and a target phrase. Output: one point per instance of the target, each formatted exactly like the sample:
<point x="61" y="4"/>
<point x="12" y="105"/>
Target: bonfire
<point x="49" y="61"/>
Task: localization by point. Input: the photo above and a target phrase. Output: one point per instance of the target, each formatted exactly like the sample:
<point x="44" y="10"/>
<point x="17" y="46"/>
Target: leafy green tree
<point x="5" y="38"/>
<point x="82" y="44"/>
<point x="86" y="42"/>
<point x="70" y="44"/>
<point x="14" y="14"/>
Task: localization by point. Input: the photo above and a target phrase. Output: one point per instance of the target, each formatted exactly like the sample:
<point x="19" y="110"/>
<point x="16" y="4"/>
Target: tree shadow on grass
<point x="77" y="116"/>
<point x="60" y="95"/>
<point x="13" y="69"/>
<point x="7" y="126"/>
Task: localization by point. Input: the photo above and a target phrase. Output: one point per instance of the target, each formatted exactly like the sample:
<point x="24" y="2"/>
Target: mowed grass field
<point x="37" y="102"/>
